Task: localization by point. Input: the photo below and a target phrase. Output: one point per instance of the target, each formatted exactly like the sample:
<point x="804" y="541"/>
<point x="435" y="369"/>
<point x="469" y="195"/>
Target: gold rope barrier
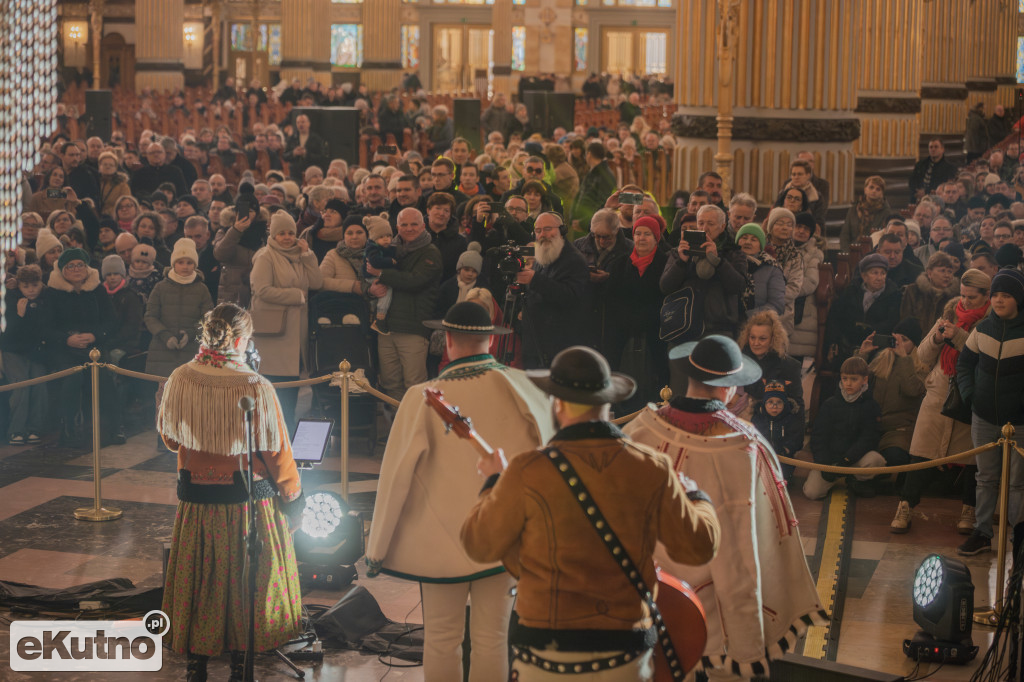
<point x="96" y="512"/>
<point x="860" y="471"/>
<point x="43" y="379"/>
<point x="157" y="378"/>
<point x="365" y="385"/>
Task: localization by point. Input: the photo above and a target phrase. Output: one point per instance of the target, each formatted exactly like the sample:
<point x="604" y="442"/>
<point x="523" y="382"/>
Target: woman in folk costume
<point x="204" y="593"/>
<point x="757" y="592"/>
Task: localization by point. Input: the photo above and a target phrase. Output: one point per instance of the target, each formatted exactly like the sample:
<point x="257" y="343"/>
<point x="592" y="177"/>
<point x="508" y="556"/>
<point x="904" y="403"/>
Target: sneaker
<point x="965" y="526"/>
<point x="901" y="522"/>
<point x="16" y="439"/>
<point x="33" y="439"/>
<point x="976" y="544"/>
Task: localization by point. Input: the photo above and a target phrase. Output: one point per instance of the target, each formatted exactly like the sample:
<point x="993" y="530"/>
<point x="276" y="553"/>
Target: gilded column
<point x="96" y="31"/>
<point x="501" y="22"/>
<point x="982" y="45"/>
<point x="888" y="79"/>
<point x="159" y="44"/>
<point x="944" y="66"/>
<point x="306" y="40"/>
<point x="382" y="52"/>
<point x="789" y="95"/>
<point x="1006" y="54"/>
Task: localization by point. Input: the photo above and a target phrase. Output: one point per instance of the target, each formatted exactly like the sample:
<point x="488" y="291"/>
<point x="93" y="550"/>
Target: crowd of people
<point x="127" y="244"/>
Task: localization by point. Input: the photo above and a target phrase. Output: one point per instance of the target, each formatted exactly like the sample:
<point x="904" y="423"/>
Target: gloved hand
<point x="183" y="340"/>
<point x="172" y="343"/>
<point x="116" y="355"/>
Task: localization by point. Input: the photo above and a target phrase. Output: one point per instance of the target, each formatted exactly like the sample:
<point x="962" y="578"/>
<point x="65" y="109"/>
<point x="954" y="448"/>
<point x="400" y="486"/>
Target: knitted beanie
<point x="1010" y="282"/>
<point x="471" y="258"/>
<point x="651" y="224"/>
<point x="777" y="213"/>
<point x="336" y="205"/>
<point x="145" y="252"/>
<point x="72" y="255"/>
<point x="280" y="222"/>
<point x="910" y="328"/>
<point x="1008" y="255"/>
<point x="775" y="389"/>
<point x="184" y="248"/>
<point x="46" y="241"/>
<point x="377" y="226"/>
<point x="754" y="229"/>
<point x="113" y="264"/>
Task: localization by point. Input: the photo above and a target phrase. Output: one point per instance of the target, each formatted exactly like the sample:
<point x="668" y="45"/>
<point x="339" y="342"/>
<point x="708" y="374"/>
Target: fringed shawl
<point x="199" y="410"/>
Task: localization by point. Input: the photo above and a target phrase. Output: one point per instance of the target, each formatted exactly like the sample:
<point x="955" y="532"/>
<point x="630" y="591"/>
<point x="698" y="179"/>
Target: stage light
<point x="943" y="597"/>
<point x="331" y="534"/>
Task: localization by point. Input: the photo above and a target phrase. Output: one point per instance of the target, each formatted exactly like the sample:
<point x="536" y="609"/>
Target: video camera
<point x="511" y="258"/>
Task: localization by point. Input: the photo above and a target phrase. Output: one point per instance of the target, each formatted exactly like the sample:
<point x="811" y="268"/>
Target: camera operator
<point x="495" y="227"/>
<point x="555" y="288"/>
<point x="603" y="247"/>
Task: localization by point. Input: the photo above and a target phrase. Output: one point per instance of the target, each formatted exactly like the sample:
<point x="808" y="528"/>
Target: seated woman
<point x="781" y="225"/>
<point x="803" y="341"/>
<point x="897" y="379"/>
<point x="925" y="299"/>
<point x="867" y="215"/>
<point x="793" y="199"/>
<point x="764" y="338"/>
<point x="766" y="285"/>
<point x="936" y="435"/>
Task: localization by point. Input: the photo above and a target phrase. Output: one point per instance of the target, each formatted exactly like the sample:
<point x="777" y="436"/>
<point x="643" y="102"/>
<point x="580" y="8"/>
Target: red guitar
<point x="679" y="605"/>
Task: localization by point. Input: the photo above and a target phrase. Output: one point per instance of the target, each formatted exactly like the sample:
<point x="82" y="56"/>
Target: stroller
<point x="339" y="329"/>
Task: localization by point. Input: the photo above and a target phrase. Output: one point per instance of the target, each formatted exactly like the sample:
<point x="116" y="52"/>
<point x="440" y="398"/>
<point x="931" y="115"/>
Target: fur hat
<point x="46" y="241"/>
<point x="281" y="222"/>
<point x="377" y="226"/>
<point x="184" y="248"/>
<point x="471" y="258"/>
<point x="113" y="264"/>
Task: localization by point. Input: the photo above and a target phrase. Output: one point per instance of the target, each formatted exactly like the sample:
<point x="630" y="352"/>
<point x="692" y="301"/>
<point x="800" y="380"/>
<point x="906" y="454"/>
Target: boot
<point x="901" y="522"/>
<point x="965" y="526"/>
<point x="237" y="666"/>
<point x="196" y="668"/>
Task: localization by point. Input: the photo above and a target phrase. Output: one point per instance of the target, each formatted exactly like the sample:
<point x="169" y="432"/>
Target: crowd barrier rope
<point x="350" y="382"/>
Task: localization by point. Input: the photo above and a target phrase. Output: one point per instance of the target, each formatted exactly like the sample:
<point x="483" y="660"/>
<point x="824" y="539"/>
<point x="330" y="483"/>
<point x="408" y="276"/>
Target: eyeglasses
<point x="516" y="209"/>
<point x="444" y="174"/>
<point x="75" y="265"/>
<point x="534" y="170"/>
<point x="604" y="237"/>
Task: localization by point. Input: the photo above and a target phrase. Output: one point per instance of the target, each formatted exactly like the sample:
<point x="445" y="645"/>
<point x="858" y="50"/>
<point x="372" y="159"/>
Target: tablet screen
<point x="309" y="443"/>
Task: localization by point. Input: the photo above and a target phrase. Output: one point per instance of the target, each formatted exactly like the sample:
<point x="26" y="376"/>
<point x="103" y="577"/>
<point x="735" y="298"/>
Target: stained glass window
<point x="241" y="37"/>
<point x="274" y="45"/>
<point x="1020" y="5"/>
<point x="347" y="45"/>
<point x="410" y="46"/>
<point x="1020" y="59"/>
<point x="518" y="48"/>
<point x="580" y="36"/>
<point x="655" y="52"/>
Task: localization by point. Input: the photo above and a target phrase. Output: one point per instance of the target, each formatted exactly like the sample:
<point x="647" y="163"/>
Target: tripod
<point x="515" y="295"/>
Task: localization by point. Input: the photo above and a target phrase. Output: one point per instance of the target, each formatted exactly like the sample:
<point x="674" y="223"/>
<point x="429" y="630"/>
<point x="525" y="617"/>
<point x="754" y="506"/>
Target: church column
<point x="501" y="23"/>
<point x="944" y="62"/>
<point x="889" y="79"/>
<point x="382" y="51"/>
<point x="789" y="95"/>
<point x="306" y="40"/>
<point x="1006" y="54"/>
<point x="159" y="44"/>
<point x="982" y="43"/>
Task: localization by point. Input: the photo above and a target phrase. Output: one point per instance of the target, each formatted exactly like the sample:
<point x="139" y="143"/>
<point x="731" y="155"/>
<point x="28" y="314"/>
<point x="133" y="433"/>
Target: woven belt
<point x="608" y="663"/>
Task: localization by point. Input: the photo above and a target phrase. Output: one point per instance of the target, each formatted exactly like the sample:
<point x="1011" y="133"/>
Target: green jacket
<point x="414" y="285"/>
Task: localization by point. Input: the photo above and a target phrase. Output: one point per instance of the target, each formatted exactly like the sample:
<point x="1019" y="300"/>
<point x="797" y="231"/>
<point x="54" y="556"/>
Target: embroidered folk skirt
<point x="204" y="590"/>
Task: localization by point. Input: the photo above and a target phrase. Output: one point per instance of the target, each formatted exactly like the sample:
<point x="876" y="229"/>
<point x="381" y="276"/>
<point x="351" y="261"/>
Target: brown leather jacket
<point x="567" y="577"/>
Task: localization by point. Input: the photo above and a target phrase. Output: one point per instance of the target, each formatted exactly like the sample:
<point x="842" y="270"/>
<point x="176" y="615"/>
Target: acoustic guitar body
<point x="686" y="623"/>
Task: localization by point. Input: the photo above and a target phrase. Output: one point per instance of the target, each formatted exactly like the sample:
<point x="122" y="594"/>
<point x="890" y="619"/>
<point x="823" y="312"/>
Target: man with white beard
<point x="556" y="291"/>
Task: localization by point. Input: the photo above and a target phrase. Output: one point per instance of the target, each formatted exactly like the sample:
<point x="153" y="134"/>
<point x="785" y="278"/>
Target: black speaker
<point x="98" y="105"/>
<point x="467" y="120"/>
<point x="549" y="110"/>
<point x="339" y="126"/>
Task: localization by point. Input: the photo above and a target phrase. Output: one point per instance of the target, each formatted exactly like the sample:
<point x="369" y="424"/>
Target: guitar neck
<point x="480" y="444"/>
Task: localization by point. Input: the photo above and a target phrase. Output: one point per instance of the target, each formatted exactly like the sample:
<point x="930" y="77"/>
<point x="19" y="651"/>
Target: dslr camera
<point x="511" y="258"/>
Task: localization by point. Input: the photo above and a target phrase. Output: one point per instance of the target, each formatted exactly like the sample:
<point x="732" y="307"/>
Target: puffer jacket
<point x="234" y="250"/>
<point x="803" y="328"/>
<point x="173" y="309"/>
<point x="844" y="432"/>
<point x="990" y="371"/>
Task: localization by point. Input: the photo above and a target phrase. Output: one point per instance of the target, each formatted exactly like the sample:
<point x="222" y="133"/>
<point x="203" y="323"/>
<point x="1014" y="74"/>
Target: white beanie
<point x="377" y="226"/>
<point x="281" y="222"/>
<point x="46" y="241"/>
<point x="184" y="248"/>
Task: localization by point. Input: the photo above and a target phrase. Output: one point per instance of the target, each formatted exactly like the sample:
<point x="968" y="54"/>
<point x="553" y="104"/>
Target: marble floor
<point x="41" y="543"/>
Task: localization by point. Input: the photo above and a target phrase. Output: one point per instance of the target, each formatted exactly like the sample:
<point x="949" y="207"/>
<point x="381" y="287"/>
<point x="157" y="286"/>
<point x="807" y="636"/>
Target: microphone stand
<point x="252" y="544"/>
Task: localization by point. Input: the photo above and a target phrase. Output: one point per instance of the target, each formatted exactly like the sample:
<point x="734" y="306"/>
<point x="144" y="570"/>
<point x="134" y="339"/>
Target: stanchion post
<point x="665" y="394"/>
<point x="990" y="616"/>
<point x="345" y="368"/>
<point x="96" y="512"/>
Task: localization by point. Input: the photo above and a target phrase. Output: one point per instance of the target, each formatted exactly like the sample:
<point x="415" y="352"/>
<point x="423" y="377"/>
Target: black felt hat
<point x="467" y="318"/>
<point x="581" y="375"/>
<point x="716" y="361"/>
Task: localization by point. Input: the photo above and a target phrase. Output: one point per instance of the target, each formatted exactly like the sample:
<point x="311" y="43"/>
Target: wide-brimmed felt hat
<point x="716" y="361"/>
<point x="581" y="375"/>
<point x="467" y="318"/>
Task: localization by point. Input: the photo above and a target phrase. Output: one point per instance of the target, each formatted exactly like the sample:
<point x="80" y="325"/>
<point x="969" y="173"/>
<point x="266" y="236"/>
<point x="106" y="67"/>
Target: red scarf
<point x="641" y="263"/>
<point x="965" y="319"/>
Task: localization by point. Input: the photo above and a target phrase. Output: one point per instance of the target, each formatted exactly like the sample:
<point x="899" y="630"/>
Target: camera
<point x="695" y="240"/>
<point x="631" y="198"/>
<point x="884" y="341"/>
<point x="388" y="149"/>
<point x="54" y="194"/>
<point x="511" y="258"/>
<point x="496" y="207"/>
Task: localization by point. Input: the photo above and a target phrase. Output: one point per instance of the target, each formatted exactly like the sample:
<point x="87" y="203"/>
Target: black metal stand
<point x="510" y="311"/>
<point x="252" y="546"/>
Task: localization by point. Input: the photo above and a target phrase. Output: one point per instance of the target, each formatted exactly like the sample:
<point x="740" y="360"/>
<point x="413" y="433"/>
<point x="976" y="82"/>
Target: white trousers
<point x="444" y="621"/>
<point x="816" y="487"/>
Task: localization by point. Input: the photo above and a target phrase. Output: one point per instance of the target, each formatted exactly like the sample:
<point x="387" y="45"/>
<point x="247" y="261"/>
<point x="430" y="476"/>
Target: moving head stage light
<point x="944" y="608"/>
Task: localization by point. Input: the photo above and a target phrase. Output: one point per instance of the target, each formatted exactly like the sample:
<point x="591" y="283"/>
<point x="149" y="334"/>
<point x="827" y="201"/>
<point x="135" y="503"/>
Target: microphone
<point x="246" y="404"/>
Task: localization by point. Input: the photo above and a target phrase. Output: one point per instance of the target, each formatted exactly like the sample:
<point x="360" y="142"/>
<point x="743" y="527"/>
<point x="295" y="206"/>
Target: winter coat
<point x="899" y="397"/>
<point x="279" y="309"/>
<point x="86" y="311"/>
<point x="769" y="286"/>
<point x="904" y="274"/>
<point x="719" y="280"/>
<point x="936" y="435"/>
<point x="146" y="179"/>
<point x="451" y="244"/>
<point x="566" y="183"/>
<point x="976" y="135"/>
<point x="25" y="335"/>
<point x="941" y="171"/>
<point x="414" y="286"/>
<point x="235" y="265"/>
<point x="852" y="228"/>
<point x="340" y="276"/>
<point x="803" y="328"/>
<point x="128" y="309"/>
<point x="844" y="432"/>
<point x="848" y="324"/>
<point x="990" y="371"/>
<point x="924" y="303"/>
<point x="112" y="188"/>
<point x="783" y="369"/>
<point x="556" y="302"/>
<point x="174" y="309"/>
<point x="791" y="259"/>
<point x="595" y="188"/>
<point x="785" y="432"/>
